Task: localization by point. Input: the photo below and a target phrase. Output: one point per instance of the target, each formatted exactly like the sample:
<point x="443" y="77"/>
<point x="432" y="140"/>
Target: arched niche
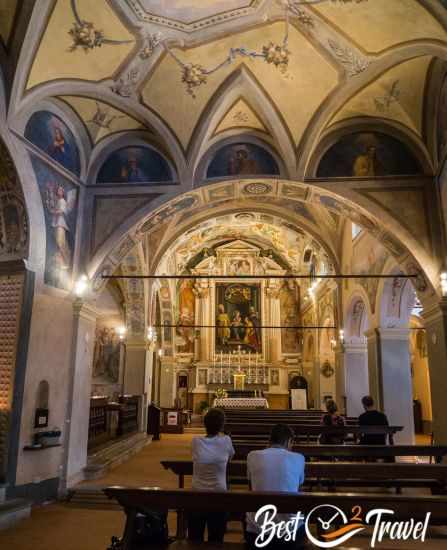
<point x="50" y="133"/>
<point x="134" y="164"/>
<point x="240" y="156"/>
<point x="368" y="154"/>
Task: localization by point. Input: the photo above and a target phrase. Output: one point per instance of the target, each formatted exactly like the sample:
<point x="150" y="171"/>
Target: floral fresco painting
<point x="60" y="204"/>
<point x="242" y="159"/>
<point x="135" y="165"/>
<point x="368" y="155"/>
<point x="50" y="134"/>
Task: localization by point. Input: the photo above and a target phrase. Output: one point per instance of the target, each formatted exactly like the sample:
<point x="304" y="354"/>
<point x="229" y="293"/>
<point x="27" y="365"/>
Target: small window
<point x="356" y="230"/>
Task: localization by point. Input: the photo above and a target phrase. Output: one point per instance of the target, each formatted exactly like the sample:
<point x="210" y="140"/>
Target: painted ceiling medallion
<point x="257" y="188"/>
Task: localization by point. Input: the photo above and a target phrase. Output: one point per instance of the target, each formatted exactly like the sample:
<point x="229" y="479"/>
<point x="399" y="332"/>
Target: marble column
<point x="79" y="389"/>
<point x="203" y="346"/>
<point x="390" y="378"/>
<point x="135" y="374"/>
<point x="167" y="382"/>
<point x="435" y="319"/>
<point x="273" y="320"/>
<point x="352" y="376"/>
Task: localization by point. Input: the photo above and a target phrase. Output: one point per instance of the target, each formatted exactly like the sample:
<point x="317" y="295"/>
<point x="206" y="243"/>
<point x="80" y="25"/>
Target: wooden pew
<point x="340" y="474"/>
<point x="309" y="432"/>
<point x="183" y="501"/>
<point x="344" y="452"/>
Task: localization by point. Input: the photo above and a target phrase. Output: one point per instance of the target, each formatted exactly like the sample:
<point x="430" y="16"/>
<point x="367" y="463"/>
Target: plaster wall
<point x="48" y="359"/>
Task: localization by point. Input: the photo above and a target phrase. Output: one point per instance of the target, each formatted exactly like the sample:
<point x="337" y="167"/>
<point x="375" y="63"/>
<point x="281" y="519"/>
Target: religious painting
<point x="106" y="355"/>
<point x="238" y="317"/>
<point x="135" y="165"/>
<point x="242" y="159"/>
<point x="60" y="204"/>
<point x="186" y="316"/>
<point x="13" y="218"/>
<point x="50" y="134"/>
<point x="442" y="121"/>
<point x="368" y="155"/>
<point x="290" y="317"/>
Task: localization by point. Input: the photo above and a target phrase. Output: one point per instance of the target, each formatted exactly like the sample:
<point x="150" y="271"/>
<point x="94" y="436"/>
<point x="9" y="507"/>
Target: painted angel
<point x="60" y="204"/>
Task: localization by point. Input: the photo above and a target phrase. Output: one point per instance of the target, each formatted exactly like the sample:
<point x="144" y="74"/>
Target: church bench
<point x="310" y="431"/>
<point x="355" y="452"/>
<point x="182" y="501"/>
<point x="339" y="474"/>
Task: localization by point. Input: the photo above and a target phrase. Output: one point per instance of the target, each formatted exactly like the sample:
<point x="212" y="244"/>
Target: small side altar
<point x="241" y="403"/>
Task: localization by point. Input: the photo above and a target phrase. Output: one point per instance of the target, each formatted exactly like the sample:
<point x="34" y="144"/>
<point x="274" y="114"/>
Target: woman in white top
<point x="210" y="455"/>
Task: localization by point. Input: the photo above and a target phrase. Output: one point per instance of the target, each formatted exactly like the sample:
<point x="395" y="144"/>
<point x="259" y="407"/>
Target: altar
<point x="241" y="403"/>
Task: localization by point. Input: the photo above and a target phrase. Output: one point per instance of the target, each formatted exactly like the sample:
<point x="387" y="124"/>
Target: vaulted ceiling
<point x="190" y="72"/>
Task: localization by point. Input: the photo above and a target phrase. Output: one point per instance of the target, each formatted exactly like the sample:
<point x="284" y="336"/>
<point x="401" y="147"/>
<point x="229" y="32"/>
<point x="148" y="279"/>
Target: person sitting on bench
<point x="331" y="418"/>
<point x="372" y="417"/>
<point x="210" y="455"/>
<point x="275" y="469"/>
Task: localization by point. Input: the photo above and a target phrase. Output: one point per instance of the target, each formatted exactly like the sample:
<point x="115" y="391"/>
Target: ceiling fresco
<point x="101" y="119"/>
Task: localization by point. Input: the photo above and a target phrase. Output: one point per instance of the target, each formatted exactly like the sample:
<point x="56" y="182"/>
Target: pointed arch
<point x="241" y="84"/>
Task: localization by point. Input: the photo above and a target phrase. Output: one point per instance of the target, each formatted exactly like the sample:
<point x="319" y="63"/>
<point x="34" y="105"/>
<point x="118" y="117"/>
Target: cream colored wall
<point x="421" y="378"/>
<point x="49" y="356"/>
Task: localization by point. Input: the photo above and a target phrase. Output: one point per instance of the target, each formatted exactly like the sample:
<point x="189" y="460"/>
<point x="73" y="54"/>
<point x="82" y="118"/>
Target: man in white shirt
<point x="275" y="469"/>
<point x="210" y="455"/>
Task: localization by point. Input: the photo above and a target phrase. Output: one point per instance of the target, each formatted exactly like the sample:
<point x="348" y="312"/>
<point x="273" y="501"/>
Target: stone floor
<point x="60" y="527"/>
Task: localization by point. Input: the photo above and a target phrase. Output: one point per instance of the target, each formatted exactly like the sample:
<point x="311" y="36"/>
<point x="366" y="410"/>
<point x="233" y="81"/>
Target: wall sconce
<point x="341" y="336"/>
<point x="151" y="335"/>
<point x="121" y="332"/>
<point x="160" y="353"/>
<point x="333" y="343"/>
<point x="81" y="286"/>
<point x="444" y="283"/>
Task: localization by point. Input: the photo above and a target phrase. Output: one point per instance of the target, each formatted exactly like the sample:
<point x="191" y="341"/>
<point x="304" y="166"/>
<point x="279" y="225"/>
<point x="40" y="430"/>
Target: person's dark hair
<point x="280" y="434"/>
<point x="367" y="401"/>
<point x="214" y="421"/>
<point x="331" y="406"/>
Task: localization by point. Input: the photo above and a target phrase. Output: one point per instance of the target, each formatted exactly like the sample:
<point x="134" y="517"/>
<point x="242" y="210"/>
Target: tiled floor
<point x="59" y="527"/>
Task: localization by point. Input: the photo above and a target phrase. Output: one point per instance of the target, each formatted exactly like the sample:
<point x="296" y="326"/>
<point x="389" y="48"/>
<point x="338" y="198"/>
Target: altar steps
<point x="113" y="454"/>
<point x="195" y="430"/>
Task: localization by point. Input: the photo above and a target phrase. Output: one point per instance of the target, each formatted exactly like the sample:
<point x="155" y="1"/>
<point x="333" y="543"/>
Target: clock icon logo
<point x="326" y="517"/>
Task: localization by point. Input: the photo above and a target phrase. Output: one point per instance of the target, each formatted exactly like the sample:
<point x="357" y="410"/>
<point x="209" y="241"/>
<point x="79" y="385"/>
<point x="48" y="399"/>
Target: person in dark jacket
<point x="372" y="417"/>
<point x="332" y="419"/>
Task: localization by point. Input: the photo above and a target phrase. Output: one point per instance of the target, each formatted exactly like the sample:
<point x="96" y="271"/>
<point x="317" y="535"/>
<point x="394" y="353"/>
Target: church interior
<point x="219" y="204"/>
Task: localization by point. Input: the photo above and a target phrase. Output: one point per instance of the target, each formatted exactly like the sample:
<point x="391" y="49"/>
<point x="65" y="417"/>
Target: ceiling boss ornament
<point x="86" y="36"/>
<point x="195" y="75"/>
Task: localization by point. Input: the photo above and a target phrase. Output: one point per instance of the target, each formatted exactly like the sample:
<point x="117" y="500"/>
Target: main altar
<point x="237" y="326"/>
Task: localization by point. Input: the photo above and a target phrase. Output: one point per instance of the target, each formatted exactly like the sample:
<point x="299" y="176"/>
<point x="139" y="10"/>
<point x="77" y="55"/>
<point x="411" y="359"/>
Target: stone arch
<point x="343" y="93"/>
<point x="351" y="204"/>
<point x="129" y="105"/>
<point x="241" y="83"/>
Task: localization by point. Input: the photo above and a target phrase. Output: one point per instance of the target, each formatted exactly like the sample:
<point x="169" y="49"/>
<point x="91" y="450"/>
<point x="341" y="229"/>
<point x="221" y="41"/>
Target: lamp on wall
<point x="341" y="336"/>
<point x="121" y="332"/>
<point x="81" y="286"/>
<point x="444" y="283"/>
<point x="151" y="335"/>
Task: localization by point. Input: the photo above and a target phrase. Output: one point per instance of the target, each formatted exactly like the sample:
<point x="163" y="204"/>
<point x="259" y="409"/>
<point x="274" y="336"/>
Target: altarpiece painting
<point x="238" y="317"/>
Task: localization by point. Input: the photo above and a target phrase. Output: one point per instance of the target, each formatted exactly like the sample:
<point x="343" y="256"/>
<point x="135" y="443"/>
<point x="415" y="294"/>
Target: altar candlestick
<point x="249" y="364"/>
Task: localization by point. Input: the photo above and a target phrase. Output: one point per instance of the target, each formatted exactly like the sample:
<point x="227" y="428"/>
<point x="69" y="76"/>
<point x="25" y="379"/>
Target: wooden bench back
<point x="153" y="498"/>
